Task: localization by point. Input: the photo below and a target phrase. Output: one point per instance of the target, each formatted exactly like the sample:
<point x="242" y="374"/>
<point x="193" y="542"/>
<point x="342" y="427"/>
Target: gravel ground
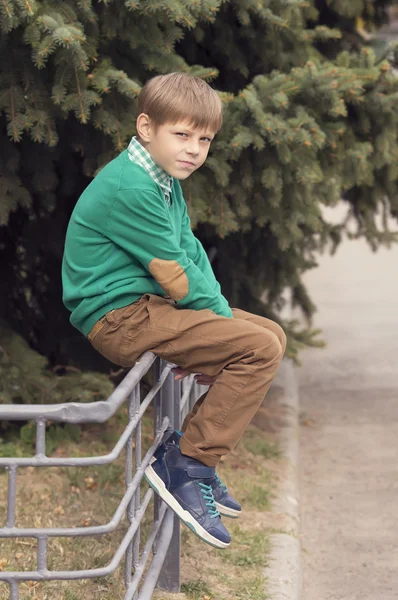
<point x="348" y="397"/>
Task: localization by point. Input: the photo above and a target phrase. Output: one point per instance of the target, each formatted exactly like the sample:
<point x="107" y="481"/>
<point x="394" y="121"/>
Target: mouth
<point x="186" y="163"/>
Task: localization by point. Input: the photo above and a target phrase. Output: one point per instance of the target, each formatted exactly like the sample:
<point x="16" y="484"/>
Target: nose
<point x="193" y="148"/>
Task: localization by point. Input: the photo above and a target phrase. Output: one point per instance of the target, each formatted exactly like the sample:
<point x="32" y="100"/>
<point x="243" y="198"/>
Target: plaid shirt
<point x="138" y="154"/>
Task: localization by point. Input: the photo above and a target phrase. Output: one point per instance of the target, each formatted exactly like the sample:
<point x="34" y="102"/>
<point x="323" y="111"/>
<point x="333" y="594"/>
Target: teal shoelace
<point x="221" y="484"/>
<point x="207" y="494"/>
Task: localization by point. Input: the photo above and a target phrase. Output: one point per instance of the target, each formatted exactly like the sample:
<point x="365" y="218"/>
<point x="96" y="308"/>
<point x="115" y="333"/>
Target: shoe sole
<point x="158" y="486"/>
<point x="225" y="511"/>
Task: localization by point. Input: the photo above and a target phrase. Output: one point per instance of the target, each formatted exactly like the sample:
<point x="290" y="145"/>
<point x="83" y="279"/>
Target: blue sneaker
<point x="184" y="484"/>
<point x="226" y="505"/>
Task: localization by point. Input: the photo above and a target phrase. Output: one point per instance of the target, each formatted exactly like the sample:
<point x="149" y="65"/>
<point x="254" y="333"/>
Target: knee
<point x="273" y="348"/>
<point x="280" y="334"/>
<point x="281" y="337"/>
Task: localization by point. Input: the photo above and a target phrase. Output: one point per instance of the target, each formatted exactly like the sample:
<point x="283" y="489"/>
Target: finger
<point x="178" y="370"/>
<point x="182" y="374"/>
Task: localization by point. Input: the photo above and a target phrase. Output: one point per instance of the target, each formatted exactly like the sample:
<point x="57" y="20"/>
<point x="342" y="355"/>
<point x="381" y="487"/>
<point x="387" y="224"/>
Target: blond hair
<point x="181" y="97"/>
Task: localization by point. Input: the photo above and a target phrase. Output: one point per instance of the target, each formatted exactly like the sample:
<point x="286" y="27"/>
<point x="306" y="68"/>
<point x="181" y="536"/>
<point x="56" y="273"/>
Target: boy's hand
<point x="180" y="373"/>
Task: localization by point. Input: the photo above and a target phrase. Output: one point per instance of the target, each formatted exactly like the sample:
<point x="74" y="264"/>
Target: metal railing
<point x="171" y="402"/>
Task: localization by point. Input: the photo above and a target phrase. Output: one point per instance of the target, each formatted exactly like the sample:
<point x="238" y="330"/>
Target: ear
<point x="144" y="127"/>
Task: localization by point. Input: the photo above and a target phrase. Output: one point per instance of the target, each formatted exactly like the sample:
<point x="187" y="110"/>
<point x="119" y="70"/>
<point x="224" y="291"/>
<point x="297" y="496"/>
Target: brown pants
<point x="244" y="353"/>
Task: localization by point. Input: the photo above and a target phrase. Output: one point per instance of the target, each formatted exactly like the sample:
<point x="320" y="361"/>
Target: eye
<point x="180" y="133"/>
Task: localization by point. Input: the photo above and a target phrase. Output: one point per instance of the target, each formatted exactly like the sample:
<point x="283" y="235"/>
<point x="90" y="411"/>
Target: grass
<point x="260" y="445"/>
<point x="70" y="595"/>
<point x="64" y="497"/>
<point x="196" y="590"/>
<point x="253" y="589"/>
<point x="259" y="497"/>
<point x="248" y="549"/>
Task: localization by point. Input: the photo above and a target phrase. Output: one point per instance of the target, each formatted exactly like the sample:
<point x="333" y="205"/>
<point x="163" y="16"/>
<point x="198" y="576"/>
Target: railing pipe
<point x="164" y="543"/>
<point x="99" y="529"/>
<point x="81" y="412"/>
<point x="169" y="570"/>
<point x="86" y="573"/>
<point x="128" y="479"/>
<point x="12" y="494"/>
<point x="164" y="538"/>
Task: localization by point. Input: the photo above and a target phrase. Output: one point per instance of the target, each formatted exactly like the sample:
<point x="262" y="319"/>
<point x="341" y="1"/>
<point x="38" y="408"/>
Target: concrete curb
<point x="284" y="571"/>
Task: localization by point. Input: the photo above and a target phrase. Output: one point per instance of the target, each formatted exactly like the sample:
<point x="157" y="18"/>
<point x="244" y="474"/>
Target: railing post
<point x="14" y="591"/>
<point x="132" y="552"/>
<point x="169" y="578"/>
<point x="157" y="419"/>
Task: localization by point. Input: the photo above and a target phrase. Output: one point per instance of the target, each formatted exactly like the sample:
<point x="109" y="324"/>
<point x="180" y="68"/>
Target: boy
<point x="136" y="279"/>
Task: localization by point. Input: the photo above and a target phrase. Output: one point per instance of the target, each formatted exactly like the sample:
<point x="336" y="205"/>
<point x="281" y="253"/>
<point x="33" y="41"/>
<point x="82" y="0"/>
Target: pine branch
<point x="83" y="117"/>
<point x="6" y="8"/>
<point x="16" y="134"/>
<point x="29" y="8"/>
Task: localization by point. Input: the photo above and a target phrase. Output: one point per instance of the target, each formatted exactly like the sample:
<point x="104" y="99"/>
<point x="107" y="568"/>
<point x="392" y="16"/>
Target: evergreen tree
<point x="310" y="118"/>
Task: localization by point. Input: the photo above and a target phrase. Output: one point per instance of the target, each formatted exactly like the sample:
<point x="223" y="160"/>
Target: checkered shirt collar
<point x="138" y="154"/>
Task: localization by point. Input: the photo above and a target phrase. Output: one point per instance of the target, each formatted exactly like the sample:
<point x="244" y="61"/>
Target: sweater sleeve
<point x="196" y="252"/>
<point x="140" y="225"/>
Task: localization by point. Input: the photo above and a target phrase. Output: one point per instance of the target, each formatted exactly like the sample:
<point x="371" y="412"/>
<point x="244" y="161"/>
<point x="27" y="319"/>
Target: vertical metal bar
<point x="41" y="438"/>
<point x="134" y="507"/>
<point x="42" y="553"/>
<point x="184" y="413"/>
<point x="12" y="494"/>
<point x="152" y="576"/>
<point x="176" y="404"/>
<point x="169" y="578"/>
<point x="192" y="394"/>
<point x="128" y="479"/>
<point x="14" y="592"/>
<point x="158" y="366"/>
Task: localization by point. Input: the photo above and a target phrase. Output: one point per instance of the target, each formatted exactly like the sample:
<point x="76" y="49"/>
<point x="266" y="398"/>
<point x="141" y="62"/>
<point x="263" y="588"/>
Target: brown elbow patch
<point x="171" y="277"/>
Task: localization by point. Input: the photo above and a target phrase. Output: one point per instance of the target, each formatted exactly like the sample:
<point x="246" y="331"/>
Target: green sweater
<point x="124" y="241"/>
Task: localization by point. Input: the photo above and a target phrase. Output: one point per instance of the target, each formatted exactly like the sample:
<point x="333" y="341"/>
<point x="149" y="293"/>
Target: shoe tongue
<point x="199" y="471"/>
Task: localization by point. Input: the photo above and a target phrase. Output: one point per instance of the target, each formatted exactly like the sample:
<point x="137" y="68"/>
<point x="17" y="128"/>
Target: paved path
<point x="349" y="455"/>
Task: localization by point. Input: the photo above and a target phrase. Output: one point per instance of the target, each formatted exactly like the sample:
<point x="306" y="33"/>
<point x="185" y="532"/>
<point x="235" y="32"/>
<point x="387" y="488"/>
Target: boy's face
<point x="177" y="148"/>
